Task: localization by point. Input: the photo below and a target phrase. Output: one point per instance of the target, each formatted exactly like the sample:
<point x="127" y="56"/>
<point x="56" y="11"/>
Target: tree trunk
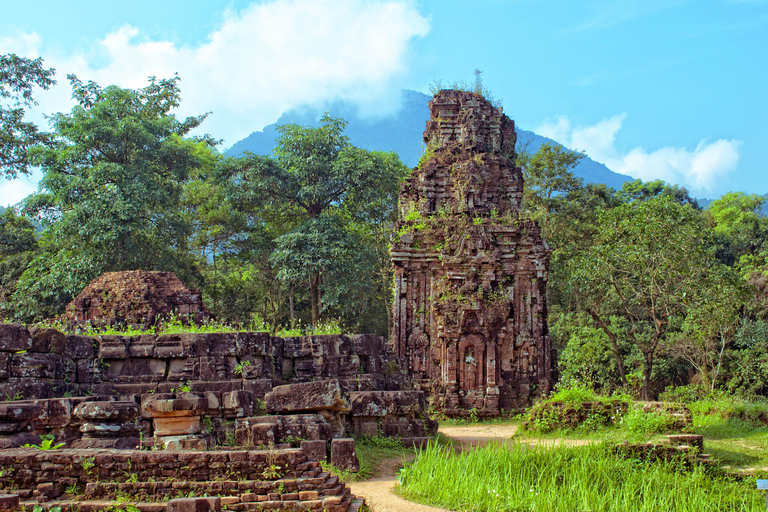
<point x="293" y="313"/>
<point x="645" y="394"/>
<point x="614" y="346"/>
<point x="314" y="293"/>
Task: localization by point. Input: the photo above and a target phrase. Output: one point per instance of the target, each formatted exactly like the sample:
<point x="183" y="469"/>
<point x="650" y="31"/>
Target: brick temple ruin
<point x="245" y="416"/>
<point x="470" y="310"/>
<point x="136" y="298"/>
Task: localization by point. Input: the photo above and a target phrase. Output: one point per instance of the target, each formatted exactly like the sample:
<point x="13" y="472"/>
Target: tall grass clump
<point x="560" y="479"/>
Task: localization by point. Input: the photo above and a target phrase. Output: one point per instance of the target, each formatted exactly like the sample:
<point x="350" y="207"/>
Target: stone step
<point x="356" y="505"/>
<point x="93" y="505"/>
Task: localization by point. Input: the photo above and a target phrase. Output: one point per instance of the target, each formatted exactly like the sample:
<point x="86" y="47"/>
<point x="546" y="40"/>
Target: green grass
<point x="509" y="477"/>
<point x="175" y="325"/>
<point x="733" y="430"/>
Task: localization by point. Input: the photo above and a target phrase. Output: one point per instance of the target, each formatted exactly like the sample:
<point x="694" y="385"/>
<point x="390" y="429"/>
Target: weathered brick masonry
<point x="470" y="310"/>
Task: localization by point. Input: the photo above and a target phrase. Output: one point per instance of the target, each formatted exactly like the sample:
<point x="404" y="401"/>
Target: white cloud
<point x="261" y="61"/>
<point x="701" y="170"/>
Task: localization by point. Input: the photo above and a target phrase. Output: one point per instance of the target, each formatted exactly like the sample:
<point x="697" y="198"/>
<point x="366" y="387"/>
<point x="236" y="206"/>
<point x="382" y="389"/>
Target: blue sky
<point x="671" y="89"/>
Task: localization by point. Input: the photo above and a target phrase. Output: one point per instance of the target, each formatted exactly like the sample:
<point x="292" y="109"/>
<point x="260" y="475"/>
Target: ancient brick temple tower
<point x="470" y="310"/>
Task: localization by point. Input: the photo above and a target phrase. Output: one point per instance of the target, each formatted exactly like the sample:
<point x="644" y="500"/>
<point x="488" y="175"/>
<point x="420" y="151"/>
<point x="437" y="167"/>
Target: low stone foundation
<point x="270" y="478"/>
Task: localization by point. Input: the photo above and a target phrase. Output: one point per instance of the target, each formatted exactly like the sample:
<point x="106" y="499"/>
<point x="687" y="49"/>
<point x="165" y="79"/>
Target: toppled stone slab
<point x="275" y="430"/>
<point x="307" y="396"/>
<point x="382" y="403"/>
<point x="107" y="411"/>
<point x="163" y="405"/>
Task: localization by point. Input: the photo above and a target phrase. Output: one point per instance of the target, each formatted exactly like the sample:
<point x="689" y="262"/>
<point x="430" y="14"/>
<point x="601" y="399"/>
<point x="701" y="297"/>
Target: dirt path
<point x="378" y="491"/>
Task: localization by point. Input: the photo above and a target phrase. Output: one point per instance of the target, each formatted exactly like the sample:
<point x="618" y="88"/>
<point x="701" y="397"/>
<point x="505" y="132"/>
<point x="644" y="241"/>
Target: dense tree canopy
<point x="110" y="193"/>
<point x="18" y="77"/>
<point x="321" y="190"/>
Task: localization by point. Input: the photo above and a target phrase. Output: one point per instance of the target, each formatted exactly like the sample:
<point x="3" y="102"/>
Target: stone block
<point x="166" y="405"/>
<point x="142" y="346"/>
<point x="54" y="413"/>
<point x="343" y="454"/>
<point x="315" y="450"/>
<point x="181" y="369"/>
<point x="134" y="370"/>
<point x="255" y="344"/>
<point x="307" y="396"/>
<point x="194" y="505"/>
<point x="169" y="346"/>
<point x="5" y="363"/>
<point x="296" y="347"/>
<point x="182" y="443"/>
<point x="382" y="403"/>
<point x="80" y="347"/>
<point x="111" y="411"/>
<point x="237" y="403"/>
<point x="33" y="365"/>
<point x="9" y="502"/>
<point x="369" y="345"/>
<point x="265" y="434"/>
<point x="87" y="371"/>
<point x="14" y="337"/>
<point x="221" y="386"/>
<point x="114" y="347"/>
<point x="46" y="340"/>
<point x="176" y="426"/>
<point x="110" y="430"/>
<point x="23" y="388"/>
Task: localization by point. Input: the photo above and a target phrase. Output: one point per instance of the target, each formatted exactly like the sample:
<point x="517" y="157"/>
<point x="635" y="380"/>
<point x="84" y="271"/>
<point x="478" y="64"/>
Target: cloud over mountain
<point x="258" y="63"/>
<point x="699" y="169"/>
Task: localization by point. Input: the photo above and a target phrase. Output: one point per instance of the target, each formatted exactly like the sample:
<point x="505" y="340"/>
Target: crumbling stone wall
<point x="44" y="363"/>
<point x="188" y="391"/>
<point x="470" y="310"/>
<point x="135" y="297"/>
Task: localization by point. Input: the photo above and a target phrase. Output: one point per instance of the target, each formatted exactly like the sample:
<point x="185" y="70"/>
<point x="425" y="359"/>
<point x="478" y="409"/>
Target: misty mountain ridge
<point x="403" y="133"/>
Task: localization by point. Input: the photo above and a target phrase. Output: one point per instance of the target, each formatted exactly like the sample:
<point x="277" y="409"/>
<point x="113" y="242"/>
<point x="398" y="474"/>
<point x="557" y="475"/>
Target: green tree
<point x="649" y="264"/>
<point x="18" y="77"/>
<point x="740" y="231"/>
<point x="637" y="190"/>
<point x="318" y="187"/>
<point x="111" y="191"/>
<point x="548" y="178"/>
<point x="18" y="246"/>
<point x="711" y="323"/>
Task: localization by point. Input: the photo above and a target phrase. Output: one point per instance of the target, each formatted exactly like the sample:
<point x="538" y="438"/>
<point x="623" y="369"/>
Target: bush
<point x="636" y="421"/>
<point x="574" y="408"/>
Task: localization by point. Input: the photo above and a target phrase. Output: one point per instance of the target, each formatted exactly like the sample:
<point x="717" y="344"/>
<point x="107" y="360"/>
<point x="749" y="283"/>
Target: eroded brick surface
<point x="135" y="297"/>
